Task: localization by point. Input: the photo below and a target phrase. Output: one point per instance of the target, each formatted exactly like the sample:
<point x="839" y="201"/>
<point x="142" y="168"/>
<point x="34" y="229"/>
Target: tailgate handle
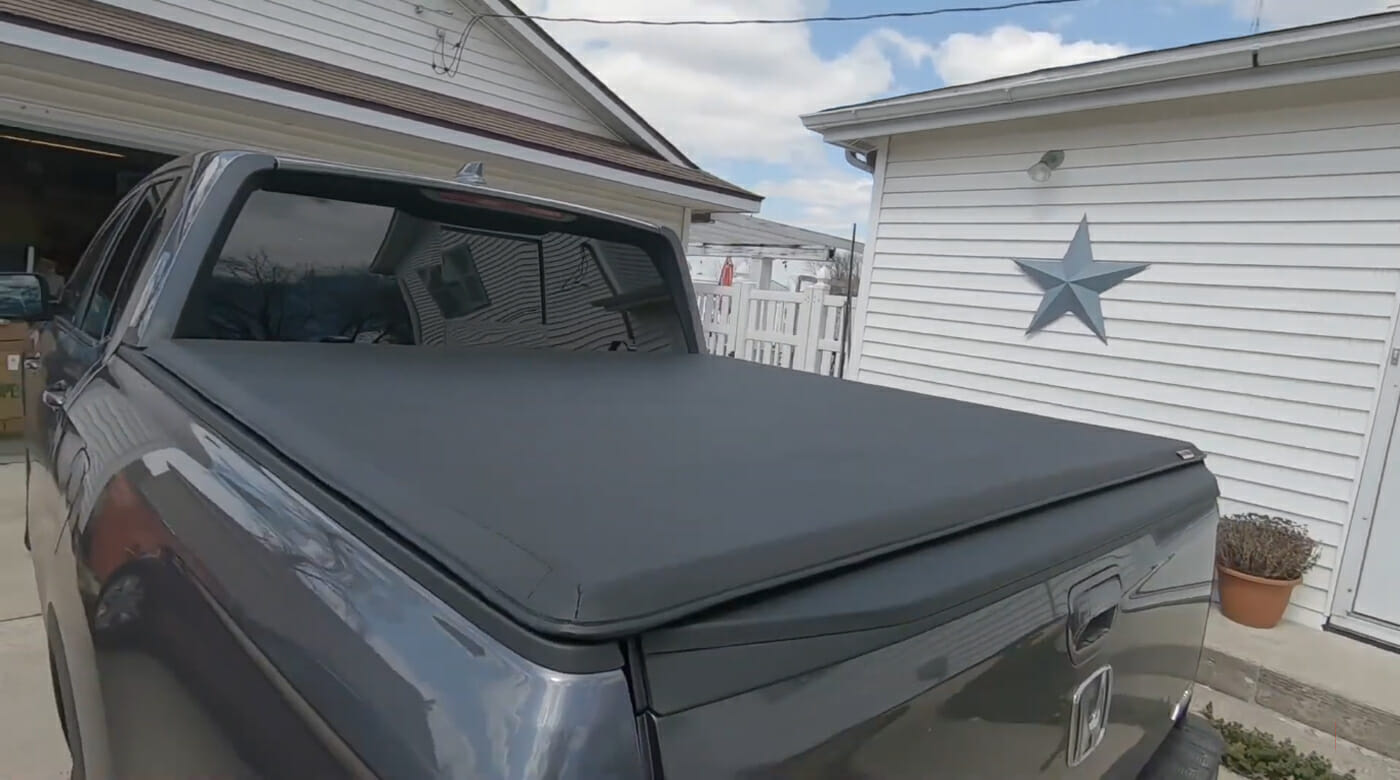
<point x="1092" y="609"/>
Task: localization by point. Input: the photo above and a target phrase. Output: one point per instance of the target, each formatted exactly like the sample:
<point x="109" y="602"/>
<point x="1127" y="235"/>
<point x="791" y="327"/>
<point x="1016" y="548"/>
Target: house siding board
<point x="387" y="39"/>
<point x="1341" y="187"/>
<point x="1351" y="211"/>
<point x="1259" y="332"/>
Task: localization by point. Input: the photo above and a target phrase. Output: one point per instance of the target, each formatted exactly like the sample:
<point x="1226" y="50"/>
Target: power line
<point x="451" y="55"/>
<point x="798" y="20"/>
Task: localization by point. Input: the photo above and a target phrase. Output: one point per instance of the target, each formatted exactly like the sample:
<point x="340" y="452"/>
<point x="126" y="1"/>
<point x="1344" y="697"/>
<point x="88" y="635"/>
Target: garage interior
<point x="55" y="192"/>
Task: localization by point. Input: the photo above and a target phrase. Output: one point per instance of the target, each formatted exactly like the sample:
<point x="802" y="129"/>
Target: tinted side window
<point x="71" y="297"/>
<point x="132" y="246"/>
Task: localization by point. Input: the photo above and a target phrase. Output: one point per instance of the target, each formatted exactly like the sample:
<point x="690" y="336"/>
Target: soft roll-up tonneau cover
<point x="597" y="495"/>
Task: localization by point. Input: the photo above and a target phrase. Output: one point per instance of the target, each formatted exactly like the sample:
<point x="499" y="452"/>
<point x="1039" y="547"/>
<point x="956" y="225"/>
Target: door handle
<point x="32" y="364"/>
<point x="55" y="395"/>
<point x="1093" y="607"/>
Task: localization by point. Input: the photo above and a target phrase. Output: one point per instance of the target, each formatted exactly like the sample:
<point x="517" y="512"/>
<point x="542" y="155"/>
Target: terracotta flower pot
<point x="1253" y="601"/>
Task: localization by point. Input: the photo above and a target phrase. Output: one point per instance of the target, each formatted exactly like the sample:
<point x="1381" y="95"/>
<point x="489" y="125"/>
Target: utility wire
<point x="798" y="20"/>
<point x="451" y="59"/>
<point x="447" y="58"/>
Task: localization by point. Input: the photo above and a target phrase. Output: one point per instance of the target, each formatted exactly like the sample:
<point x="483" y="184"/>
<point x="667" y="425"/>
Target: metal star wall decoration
<point x="1073" y="285"/>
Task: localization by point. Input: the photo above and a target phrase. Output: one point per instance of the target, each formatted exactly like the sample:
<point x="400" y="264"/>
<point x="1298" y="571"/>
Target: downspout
<point x="864" y="162"/>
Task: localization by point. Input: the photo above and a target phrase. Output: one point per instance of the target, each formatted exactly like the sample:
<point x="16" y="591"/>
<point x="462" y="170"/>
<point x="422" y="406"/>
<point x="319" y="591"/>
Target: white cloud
<point x="829" y="203"/>
<point x="731" y="93"/>
<point x="1008" y="50"/>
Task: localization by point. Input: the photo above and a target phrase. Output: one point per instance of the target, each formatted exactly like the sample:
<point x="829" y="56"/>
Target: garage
<point x="59" y="191"/>
<point x="107" y="80"/>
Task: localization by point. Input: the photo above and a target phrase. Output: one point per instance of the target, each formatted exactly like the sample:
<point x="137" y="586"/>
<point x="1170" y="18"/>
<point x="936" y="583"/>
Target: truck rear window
<point x="300" y="267"/>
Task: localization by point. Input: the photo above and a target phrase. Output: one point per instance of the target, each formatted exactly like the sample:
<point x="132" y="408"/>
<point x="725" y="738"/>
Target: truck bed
<point x="595" y="496"/>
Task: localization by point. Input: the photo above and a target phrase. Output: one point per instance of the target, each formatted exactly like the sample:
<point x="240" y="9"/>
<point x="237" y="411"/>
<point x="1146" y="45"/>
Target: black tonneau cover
<point x="595" y="495"/>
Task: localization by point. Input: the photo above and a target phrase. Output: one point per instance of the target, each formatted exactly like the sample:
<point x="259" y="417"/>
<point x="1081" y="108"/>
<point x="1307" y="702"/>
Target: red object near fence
<point x="726" y="273"/>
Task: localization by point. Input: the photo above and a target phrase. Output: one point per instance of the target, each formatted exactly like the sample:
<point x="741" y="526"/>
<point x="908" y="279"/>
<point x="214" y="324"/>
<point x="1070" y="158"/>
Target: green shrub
<point x="1259" y="755"/>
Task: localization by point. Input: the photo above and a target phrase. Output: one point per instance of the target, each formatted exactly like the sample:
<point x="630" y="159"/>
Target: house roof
<point x="171" y="40"/>
<point x="744" y="234"/>
<point x="1361" y="46"/>
<point x="637" y="127"/>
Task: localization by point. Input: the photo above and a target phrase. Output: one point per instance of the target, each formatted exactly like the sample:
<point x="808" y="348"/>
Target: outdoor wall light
<point x="1049" y="161"/>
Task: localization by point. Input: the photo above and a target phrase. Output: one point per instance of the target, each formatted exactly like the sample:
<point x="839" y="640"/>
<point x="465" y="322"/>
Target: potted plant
<point x="1261" y="559"/>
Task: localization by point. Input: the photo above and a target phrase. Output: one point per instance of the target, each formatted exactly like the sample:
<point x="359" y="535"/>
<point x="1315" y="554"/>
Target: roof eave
<point x="582" y="82"/>
<point x="1356" y="47"/>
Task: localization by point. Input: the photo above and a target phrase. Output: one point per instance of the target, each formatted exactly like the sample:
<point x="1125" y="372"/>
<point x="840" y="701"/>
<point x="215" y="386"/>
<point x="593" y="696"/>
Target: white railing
<point x="800" y="330"/>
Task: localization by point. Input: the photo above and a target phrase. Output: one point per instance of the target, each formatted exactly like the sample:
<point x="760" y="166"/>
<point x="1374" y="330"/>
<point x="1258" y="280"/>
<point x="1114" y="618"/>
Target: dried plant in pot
<point x="1261" y="559"/>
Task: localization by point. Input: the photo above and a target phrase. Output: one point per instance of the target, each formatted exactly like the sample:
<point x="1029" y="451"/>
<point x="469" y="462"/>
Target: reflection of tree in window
<point x="247" y="297"/>
<point x="255" y="298"/>
<point x="294" y="268"/>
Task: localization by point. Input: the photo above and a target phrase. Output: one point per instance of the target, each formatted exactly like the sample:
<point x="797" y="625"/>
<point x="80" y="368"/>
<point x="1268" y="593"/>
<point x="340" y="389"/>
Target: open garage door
<point x="56" y="192"/>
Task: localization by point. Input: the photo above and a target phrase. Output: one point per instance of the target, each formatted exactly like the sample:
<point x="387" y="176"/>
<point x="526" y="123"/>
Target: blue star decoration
<point x="1073" y="285"/>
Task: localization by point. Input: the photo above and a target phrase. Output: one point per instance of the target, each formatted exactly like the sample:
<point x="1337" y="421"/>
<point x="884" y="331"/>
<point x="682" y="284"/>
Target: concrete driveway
<point x="31" y="744"/>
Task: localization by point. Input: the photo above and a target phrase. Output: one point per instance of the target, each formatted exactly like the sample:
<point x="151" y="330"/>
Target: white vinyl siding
<point x="1259" y="331"/>
<point x="388" y="39"/>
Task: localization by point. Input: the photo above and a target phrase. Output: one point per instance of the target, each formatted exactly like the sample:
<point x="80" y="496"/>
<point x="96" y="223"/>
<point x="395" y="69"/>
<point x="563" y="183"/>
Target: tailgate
<point x="975" y="657"/>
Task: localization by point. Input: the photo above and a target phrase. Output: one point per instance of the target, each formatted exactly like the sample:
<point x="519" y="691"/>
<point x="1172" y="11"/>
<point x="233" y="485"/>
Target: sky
<point x="731" y="97"/>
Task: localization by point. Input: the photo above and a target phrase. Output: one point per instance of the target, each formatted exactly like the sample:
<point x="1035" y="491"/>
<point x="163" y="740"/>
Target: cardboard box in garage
<point x="13" y="338"/>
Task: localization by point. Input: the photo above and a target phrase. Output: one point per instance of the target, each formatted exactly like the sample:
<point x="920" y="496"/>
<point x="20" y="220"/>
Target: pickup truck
<point x="336" y="472"/>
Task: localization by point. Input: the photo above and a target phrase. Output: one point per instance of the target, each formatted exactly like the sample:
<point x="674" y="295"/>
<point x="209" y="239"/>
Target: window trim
<point x="117" y="219"/>
<point x="131" y="205"/>
<point x="171" y="205"/>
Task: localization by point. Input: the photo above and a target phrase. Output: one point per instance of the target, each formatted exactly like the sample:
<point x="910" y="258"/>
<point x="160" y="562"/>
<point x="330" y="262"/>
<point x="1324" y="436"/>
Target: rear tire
<point x="58" y="698"/>
<point x="121" y="606"/>
<point x="67" y="712"/>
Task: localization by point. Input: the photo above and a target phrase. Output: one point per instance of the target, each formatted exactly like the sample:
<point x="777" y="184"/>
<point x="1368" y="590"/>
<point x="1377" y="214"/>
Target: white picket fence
<point x="798" y="330"/>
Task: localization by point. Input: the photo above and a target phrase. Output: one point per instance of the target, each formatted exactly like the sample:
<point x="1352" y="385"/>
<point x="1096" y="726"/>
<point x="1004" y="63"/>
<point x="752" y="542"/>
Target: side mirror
<point x="24" y="297"/>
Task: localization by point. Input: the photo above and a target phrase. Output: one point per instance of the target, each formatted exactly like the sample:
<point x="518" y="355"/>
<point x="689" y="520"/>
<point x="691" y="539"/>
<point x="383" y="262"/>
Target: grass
<point x="1261" y="756"/>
